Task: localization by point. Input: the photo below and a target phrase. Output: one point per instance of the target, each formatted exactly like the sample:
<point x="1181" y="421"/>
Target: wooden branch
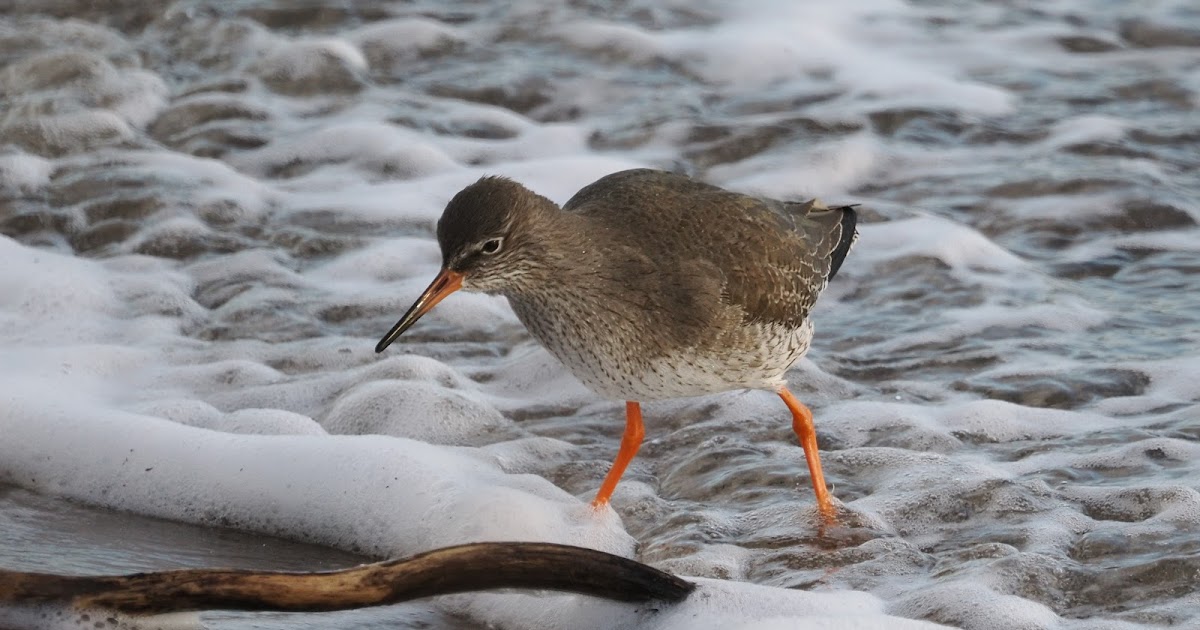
<point x="473" y="567"/>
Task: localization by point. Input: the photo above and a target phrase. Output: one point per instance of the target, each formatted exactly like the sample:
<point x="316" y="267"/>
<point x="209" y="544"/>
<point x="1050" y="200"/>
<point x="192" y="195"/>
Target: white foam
<point x="1064" y="208"/>
<point x="97" y="89"/>
<point x="24" y="172"/>
<point x="416" y="410"/>
<point x="1180" y="241"/>
<point x="1000" y="421"/>
<point x="1174" y="379"/>
<point x="202" y="415"/>
<point x="139" y="97"/>
<point x="528" y="374"/>
<point x="406" y="38"/>
<point x="77" y="130"/>
<point x="65" y="617"/>
<point x="274" y="471"/>
<point x="1088" y="128"/>
<point x="42" y="295"/>
<point x="117" y="387"/>
<point x="715" y="604"/>
<point x="1119" y="457"/>
<point x="369" y="146"/>
<point x="176" y="228"/>
<point x="205" y="180"/>
<point x="628" y="41"/>
<point x="823" y="171"/>
<point x="393" y="496"/>
<point x="306" y="57"/>
<point x="528" y="455"/>
<point x="958" y="246"/>
<point x="972" y="606"/>
<point x="770" y="42"/>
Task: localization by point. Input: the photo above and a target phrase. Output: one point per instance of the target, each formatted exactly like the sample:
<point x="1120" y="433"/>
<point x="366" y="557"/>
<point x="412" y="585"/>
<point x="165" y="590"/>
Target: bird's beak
<point x="444" y="284"/>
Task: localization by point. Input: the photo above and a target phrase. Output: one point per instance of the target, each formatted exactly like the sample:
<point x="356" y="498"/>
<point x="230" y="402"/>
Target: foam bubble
<point x="972" y="606"/>
<point x="528" y="374"/>
<point x="312" y="66"/>
<point x="387" y="43"/>
<point x="62" y="617"/>
<point x="42" y="294"/>
<point x="204" y="180"/>
<point x="24" y="172"/>
<point x="956" y="245"/>
<point x="187" y="382"/>
<point x="1090" y="128"/>
<point x="1174" y="379"/>
<point x="715" y="604"/>
<point x="623" y="40"/>
<point x="415" y="410"/>
<point x="69" y="133"/>
<point x="397" y="496"/>
<point x="371" y="147"/>
<point x="825" y="170"/>
<point x="766" y="43"/>
<point x="528" y="454"/>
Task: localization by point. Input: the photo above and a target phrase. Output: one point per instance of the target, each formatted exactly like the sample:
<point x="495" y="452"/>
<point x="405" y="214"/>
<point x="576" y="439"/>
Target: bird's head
<point x="488" y="235"/>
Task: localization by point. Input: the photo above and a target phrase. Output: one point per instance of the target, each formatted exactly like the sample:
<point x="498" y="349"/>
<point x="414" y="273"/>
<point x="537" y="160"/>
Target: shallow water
<point x="215" y="209"/>
<point x="41" y="533"/>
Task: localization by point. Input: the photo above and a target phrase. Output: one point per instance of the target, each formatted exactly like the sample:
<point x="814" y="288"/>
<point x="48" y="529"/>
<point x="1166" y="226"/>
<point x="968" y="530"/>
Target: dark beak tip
<point x="384" y="343"/>
<point x="446" y="283"/>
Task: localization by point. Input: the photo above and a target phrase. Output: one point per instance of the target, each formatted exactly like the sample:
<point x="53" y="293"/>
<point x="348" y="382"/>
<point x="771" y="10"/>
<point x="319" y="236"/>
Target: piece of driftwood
<point x="473" y="567"/>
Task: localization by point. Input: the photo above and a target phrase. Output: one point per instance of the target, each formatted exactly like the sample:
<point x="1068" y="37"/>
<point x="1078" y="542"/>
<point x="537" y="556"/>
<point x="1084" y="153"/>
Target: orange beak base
<point x="444" y="284"/>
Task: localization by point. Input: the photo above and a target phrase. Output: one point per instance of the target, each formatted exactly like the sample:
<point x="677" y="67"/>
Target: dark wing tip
<point x="848" y="235"/>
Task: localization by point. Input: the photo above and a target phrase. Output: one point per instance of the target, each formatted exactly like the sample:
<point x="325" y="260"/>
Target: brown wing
<point x="825" y="236"/>
<point x="773" y="258"/>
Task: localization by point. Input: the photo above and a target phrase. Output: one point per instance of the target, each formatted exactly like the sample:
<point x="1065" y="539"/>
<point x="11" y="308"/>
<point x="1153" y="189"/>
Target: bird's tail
<point x="846" y="238"/>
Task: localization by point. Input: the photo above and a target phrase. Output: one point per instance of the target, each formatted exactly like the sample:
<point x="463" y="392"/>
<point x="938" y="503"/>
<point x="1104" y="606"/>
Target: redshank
<point x="649" y="285"/>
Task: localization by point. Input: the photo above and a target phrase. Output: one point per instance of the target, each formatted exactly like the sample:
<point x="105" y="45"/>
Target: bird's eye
<point x="491" y="246"/>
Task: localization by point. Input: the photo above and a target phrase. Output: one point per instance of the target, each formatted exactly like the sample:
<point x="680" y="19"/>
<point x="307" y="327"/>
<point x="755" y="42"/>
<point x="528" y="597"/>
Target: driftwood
<point x="473" y="567"/>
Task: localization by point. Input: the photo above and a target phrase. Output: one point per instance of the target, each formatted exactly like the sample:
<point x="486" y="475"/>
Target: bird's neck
<point x="570" y="249"/>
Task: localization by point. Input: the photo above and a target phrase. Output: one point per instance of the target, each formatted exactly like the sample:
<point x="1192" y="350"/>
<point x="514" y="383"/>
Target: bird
<point x="649" y="285"/>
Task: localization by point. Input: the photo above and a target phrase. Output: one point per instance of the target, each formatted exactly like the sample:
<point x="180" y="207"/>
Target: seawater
<point x="211" y="211"/>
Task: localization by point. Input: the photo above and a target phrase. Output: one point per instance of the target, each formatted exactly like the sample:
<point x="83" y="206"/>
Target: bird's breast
<point x="612" y="346"/>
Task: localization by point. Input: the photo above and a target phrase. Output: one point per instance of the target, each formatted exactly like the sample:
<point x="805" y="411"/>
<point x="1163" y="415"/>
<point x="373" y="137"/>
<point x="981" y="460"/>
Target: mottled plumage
<point x="651" y="285"/>
<point x="648" y="284"/>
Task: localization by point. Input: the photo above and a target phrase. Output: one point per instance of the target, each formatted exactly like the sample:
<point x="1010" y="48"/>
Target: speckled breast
<point x="615" y="361"/>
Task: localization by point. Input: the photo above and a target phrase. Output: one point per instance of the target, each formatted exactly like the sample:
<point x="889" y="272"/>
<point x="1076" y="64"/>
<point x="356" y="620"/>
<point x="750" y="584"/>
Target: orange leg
<point x="630" y="442"/>
<point x="802" y="424"/>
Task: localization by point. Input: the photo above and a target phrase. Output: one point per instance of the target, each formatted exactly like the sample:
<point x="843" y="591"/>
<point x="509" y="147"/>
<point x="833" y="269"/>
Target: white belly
<point x="619" y="366"/>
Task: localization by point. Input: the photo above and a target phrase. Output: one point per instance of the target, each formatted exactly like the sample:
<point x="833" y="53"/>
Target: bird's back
<point x="773" y="258"/>
<point x="679" y="288"/>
